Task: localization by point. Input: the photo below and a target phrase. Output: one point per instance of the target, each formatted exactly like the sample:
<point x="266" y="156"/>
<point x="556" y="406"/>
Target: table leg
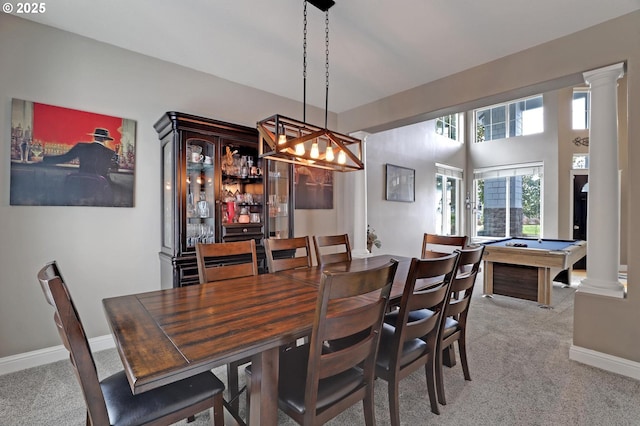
<point x="264" y="388"/>
<point x="488" y="279"/>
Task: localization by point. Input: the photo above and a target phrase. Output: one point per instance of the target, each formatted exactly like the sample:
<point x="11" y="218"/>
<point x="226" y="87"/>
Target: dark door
<point x="580" y="194"/>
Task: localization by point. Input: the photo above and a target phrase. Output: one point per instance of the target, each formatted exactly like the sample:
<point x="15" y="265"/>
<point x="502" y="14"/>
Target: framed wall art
<point x="313" y="187"/>
<point x="400" y="184"/>
<point x="67" y="157"/>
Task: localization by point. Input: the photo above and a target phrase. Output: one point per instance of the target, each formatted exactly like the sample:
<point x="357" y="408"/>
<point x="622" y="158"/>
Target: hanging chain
<point x="326" y="52"/>
<point x="304" y="66"/>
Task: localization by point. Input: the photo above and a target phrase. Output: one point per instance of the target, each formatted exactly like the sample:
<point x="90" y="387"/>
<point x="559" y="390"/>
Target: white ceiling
<point x="377" y="47"/>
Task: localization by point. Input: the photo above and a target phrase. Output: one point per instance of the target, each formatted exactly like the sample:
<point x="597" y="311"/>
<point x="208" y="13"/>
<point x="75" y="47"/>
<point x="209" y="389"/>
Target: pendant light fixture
<point x="286" y="139"/>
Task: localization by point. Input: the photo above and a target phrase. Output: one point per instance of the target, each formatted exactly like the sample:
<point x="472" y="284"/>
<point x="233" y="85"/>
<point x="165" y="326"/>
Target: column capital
<point x="611" y="72"/>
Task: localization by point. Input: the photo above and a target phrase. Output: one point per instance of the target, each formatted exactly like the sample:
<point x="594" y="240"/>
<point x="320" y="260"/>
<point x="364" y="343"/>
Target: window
<point x="580" y="161"/>
<point x="581" y="108"/>
<point x="519" y="118"/>
<point x="448" y="181"/>
<point x="508" y="201"/>
<point x="450" y="126"/>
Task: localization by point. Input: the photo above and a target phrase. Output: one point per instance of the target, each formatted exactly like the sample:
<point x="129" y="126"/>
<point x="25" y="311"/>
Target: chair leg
<point x="431" y="386"/>
<point x="218" y="410"/>
<point x="368" y="406"/>
<point x="234" y="390"/>
<point x="439" y="376"/>
<point x="394" y="401"/>
<point x="462" y="348"/>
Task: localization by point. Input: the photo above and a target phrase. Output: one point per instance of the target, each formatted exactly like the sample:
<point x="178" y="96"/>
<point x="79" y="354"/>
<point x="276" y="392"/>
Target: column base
<point x="602" y="288"/>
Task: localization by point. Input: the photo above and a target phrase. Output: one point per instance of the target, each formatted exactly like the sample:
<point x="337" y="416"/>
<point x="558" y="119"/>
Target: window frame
<point x="587" y="111"/>
<point x="458" y="126"/>
<point x="504" y="118"/>
<point x="506" y="172"/>
<point x="446" y="173"/>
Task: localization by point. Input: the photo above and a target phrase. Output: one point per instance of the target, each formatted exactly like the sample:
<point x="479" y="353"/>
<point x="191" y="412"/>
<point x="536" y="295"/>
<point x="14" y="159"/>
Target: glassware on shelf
<point x="191" y="207"/>
<point x="203" y="206"/>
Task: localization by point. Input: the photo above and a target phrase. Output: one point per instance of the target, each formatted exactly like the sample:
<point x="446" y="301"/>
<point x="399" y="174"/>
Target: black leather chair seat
<point x="125" y="408"/>
<point x="450" y="325"/>
<point x="293" y="373"/>
<point x="411" y="350"/>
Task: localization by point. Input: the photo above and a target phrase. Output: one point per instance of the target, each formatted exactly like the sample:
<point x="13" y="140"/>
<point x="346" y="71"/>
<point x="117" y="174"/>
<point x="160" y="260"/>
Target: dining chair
<point x="434" y="245"/>
<point x="339" y="242"/>
<point x="223" y="261"/>
<point x="407" y="345"/>
<point x="316" y="384"/>
<point x="455" y="317"/>
<point x="110" y="401"/>
<point x="281" y="253"/>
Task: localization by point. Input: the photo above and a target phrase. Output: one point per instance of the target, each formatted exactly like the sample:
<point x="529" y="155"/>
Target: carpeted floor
<point x="519" y="361"/>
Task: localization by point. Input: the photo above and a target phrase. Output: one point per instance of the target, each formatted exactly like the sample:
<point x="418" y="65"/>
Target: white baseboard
<point x="38" y="357"/>
<point x="606" y="362"/>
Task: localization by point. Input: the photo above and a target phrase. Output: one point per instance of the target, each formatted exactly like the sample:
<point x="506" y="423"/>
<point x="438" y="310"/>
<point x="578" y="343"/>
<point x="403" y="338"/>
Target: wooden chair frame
<point x="409" y="344"/>
<point x="434" y="245"/>
<point x="75" y="341"/>
<point x="455" y="317"/>
<point x="320" y="242"/>
<point x="275" y="248"/>
<point x="341" y="313"/>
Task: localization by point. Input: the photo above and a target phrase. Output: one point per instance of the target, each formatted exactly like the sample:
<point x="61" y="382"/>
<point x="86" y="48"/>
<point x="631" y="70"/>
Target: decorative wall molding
<point x="581" y="141"/>
<point x="606" y="362"/>
<point x="38" y="357"/>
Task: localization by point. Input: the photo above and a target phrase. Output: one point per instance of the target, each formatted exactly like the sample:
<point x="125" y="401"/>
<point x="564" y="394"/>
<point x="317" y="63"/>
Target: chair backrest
<point x="281" y="253"/>
<point x="351" y="315"/>
<point x="464" y="281"/>
<point x="335" y="241"/>
<point x="438" y="273"/>
<point x="74" y="339"/>
<point x="223" y="261"/>
<point x="433" y="245"/>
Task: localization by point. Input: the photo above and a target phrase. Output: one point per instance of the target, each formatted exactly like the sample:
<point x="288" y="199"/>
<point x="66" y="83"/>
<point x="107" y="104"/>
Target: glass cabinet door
<point x="279" y="195"/>
<point x="167" y="197"/>
<point x="200" y="192"/>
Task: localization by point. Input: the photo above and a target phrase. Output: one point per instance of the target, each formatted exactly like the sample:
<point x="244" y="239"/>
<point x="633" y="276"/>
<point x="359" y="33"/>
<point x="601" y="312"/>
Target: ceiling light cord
<point x="304" y="65"/>
<point x="326" y="64"/>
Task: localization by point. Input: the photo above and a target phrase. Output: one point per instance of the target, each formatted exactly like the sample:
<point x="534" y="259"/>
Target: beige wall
<point x="601" y="324"/>
<point x="102" y="252"/>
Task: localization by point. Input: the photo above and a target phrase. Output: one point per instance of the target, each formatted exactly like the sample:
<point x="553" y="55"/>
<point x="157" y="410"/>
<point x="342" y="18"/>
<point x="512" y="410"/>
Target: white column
<point x="359" y="198"/>
<point x="603" y="217"/>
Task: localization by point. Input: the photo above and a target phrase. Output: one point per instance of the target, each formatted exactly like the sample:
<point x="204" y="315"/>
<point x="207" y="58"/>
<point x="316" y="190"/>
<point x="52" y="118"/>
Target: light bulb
<point x="282" y="139"/>
<point x="315" y="153"/>
<point x="329" y="153"/>
<point x="300" y="149"/>
<point x="342" y="157"/>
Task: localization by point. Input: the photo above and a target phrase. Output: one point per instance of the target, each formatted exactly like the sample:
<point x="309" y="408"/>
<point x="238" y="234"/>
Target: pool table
<point x="525" y="267"/>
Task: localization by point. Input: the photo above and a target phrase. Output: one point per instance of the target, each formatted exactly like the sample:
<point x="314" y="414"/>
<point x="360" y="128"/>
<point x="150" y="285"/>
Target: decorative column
<point x="359" y="181"/>
<point x="603" y="218"/>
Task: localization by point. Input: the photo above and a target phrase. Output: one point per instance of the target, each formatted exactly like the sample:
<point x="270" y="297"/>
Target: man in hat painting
<point x="95" y="158"/>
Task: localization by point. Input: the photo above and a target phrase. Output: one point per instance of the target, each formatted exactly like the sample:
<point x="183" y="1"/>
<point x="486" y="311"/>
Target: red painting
<point x="63" y="156"/>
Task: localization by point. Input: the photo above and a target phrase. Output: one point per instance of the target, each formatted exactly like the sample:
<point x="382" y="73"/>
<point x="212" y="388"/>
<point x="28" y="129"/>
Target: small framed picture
<point x="400" y="184"/>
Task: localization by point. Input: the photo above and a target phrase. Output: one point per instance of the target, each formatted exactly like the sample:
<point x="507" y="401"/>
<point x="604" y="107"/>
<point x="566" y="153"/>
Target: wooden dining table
<point x="167" y="335"/>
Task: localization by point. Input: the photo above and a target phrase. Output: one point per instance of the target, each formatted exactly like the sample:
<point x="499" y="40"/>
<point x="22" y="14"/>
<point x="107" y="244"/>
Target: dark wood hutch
<point x="216" y="189"/>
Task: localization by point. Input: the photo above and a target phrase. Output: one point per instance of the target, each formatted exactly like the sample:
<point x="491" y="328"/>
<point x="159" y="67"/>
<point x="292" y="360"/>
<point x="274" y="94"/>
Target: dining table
<point x="167" y="335"/>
